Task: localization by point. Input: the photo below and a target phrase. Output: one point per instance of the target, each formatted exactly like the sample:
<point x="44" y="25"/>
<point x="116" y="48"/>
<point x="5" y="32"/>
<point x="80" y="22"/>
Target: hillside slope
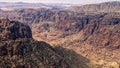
<point x="19" y="50"/>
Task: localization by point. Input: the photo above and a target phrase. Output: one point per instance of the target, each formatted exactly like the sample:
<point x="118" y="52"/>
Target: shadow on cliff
<point x="72" y="58"/>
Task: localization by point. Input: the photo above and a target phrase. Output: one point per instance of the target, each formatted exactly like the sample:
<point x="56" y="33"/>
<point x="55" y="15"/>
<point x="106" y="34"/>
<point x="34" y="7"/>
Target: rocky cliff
<point x="11" y="30"/>
<point x="90" y="30"/>
<point x="19" y="50"/>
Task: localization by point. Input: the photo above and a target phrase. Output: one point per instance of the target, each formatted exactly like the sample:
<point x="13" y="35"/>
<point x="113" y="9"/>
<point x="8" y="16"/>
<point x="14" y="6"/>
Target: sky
<point x="60" y="1"/>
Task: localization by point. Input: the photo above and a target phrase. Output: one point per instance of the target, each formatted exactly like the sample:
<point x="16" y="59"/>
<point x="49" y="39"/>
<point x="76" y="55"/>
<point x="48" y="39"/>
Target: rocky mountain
<point x="90" y="30"/>
<point x="113" y="6"/>
<point x="7" y="6"/>
<point x="103" y="31"/>
<point x="13" y="30"/>
<point x="19" y="50"/>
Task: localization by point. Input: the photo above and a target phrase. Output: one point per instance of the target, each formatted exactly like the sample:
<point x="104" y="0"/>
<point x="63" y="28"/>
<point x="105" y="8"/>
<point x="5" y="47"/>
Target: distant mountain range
<point x="17" y="5"/>
<point x="113" y="6"/>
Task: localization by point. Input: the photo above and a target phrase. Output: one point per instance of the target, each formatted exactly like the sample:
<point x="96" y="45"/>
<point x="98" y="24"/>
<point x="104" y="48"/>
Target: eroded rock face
<point x="19" y="50"/>
<point x="104" y="32"/>
<point x="13" y="30"/>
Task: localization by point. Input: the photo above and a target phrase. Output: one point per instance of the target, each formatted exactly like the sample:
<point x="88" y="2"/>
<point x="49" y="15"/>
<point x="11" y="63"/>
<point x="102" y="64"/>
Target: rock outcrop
<point x="103" y="32"/>
<point x="11" y="30"/>
<point x="19" y="50"/>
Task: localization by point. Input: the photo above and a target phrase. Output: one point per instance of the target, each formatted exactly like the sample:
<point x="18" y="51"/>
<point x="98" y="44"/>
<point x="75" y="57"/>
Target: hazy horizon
<point x="60" y="1"/>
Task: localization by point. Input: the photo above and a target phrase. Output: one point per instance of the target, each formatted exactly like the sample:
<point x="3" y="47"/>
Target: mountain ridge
<point x="91" y="31"/>
<point x="112" y="6"/>
<point x="20" y="50"/>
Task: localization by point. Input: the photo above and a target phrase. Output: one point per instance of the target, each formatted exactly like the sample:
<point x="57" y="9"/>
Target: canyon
<point x="86" y="36"/>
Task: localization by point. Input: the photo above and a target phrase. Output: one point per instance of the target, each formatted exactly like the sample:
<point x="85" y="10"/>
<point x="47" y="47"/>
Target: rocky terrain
<point x="89" y="34"/>
<point x="19" y="50"/>
<point x="108" y="7"/>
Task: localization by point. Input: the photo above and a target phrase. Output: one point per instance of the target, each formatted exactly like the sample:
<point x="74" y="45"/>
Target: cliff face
<point x="104" y="33"/>
<point x="13" y="30"/>
<point x="50" y="25"/>
<point x="19" y="50"/>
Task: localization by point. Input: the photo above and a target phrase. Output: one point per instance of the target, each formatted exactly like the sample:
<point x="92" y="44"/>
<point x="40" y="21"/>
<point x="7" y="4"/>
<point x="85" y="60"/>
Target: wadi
<point x="39" y="35"/>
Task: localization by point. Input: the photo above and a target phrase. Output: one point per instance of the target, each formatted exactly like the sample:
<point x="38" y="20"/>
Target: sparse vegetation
<point x="83" y="37"/>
